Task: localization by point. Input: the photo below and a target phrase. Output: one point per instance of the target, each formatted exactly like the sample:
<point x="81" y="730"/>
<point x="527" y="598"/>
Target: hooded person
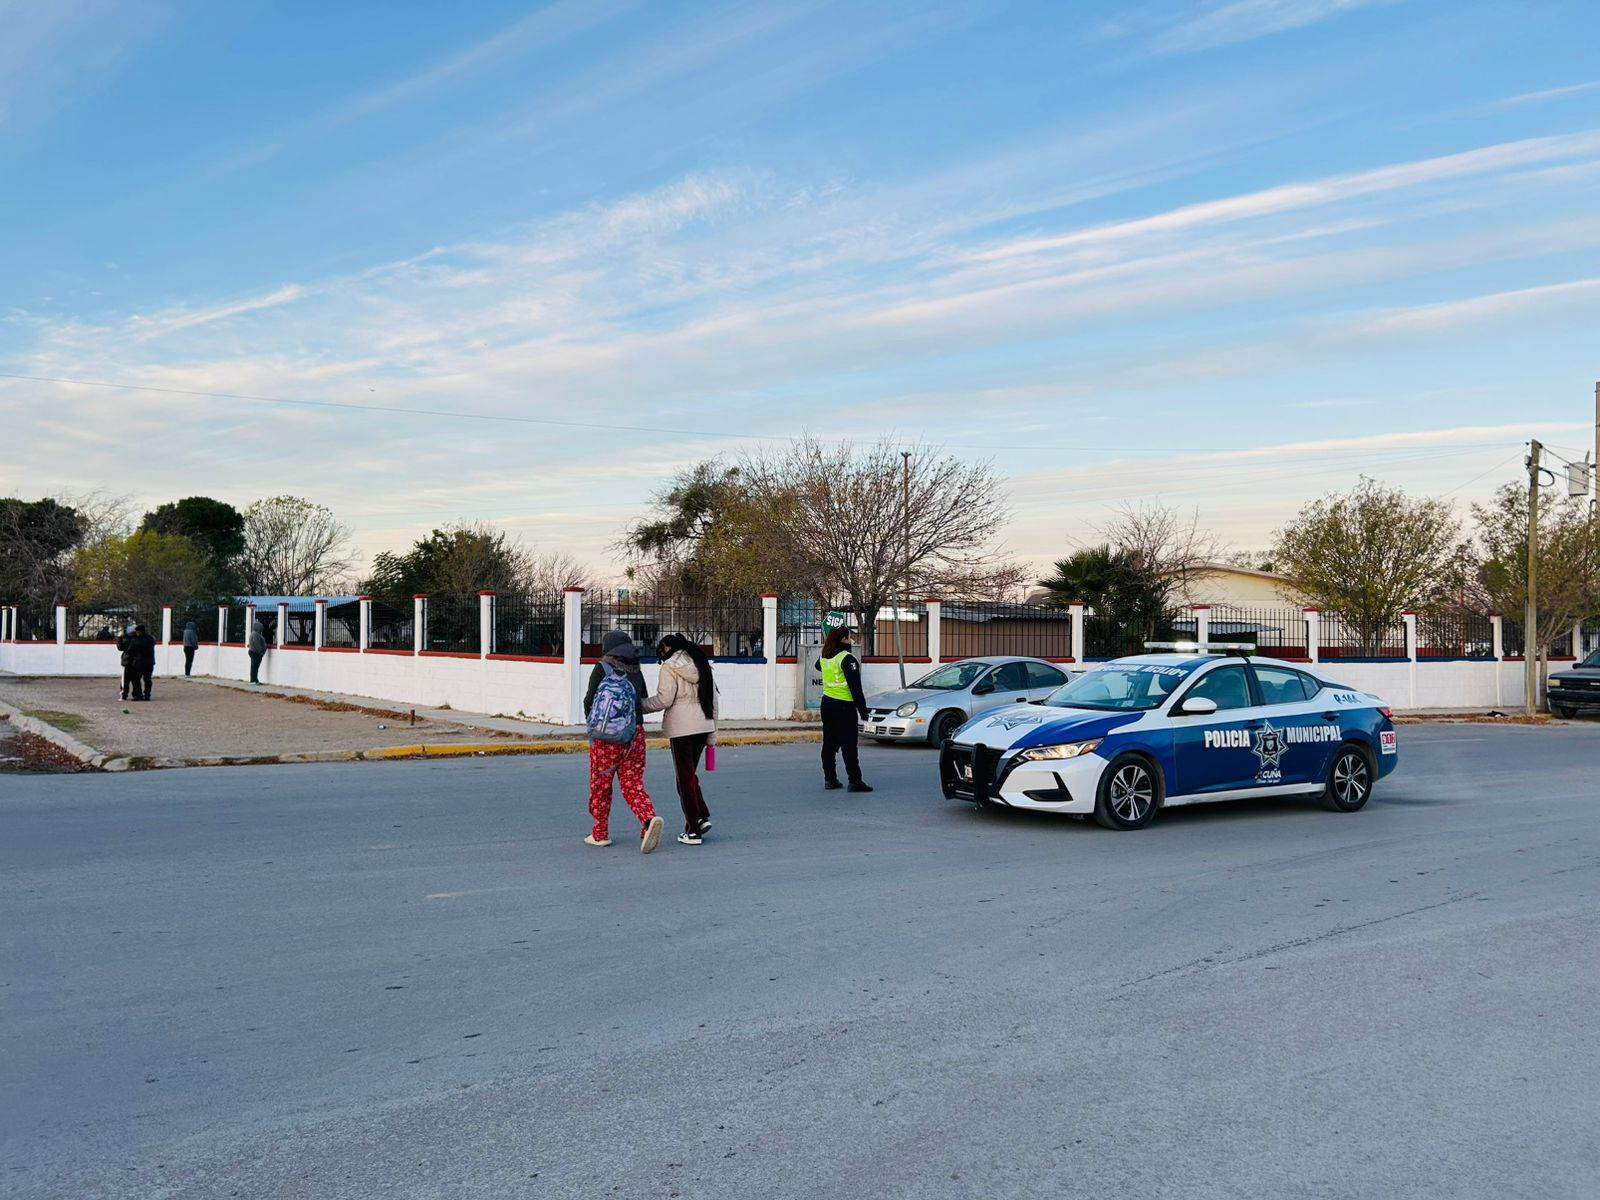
<point x="608" y="760"/>
<point x="686" y="696"/>
<point x="141" y="659"/>
<point x="191" y="643"/>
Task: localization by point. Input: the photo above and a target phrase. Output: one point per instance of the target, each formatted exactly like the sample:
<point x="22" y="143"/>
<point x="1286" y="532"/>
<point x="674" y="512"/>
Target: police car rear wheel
<point x="1128" y="795"/>
<point x="1349" y="780"/>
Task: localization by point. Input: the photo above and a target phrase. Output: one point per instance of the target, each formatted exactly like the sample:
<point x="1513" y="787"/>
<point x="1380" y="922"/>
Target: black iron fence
<point x="1344" y="636"/>
<point x="451" y="625"/>
<point x="204" y="615"/>
<point x="1454" y="633"/>
<point x="726" y="627"/>
<point x="1107" y="636"/>
<point x="976" y="629"/>
<point x="532" y="625"/>
<point x="1276" y="630"/>
<point x="393" y="626"/>
<point x="109" y="623"/>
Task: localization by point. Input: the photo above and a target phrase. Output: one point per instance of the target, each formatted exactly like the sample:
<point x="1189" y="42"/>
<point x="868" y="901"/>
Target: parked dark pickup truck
<point x="1577" y="687"/>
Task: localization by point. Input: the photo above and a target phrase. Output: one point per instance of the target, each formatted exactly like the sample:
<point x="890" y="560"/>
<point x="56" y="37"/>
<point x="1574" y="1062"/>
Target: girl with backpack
<point x="614" y="707"/>
<point x="686" y="694"/>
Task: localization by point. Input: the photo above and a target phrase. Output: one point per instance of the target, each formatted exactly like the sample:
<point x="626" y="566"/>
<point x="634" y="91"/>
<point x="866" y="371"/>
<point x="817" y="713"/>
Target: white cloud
<point x="1233" y="21"/>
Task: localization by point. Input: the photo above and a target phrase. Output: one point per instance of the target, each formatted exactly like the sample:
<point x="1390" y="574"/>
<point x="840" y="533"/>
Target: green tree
<point x="1371" y="553"/>
<point x="36" y="540"/>
<point x="143" y="570"/>
<point x="214" y="526"/>
<point x="459" y="560"/>
<point x="1127" y="594"/>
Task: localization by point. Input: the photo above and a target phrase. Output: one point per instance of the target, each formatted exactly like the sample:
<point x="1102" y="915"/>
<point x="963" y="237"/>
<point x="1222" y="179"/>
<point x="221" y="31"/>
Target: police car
<point x="1164" y="729"/>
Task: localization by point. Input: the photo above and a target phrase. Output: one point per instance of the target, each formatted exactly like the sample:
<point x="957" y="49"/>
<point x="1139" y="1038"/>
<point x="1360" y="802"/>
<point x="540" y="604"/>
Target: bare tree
<point x="862" y="524"/>
<point x="553" y="571"/>
<point x="292" y="547"/>
<point x="1166" y="545"/>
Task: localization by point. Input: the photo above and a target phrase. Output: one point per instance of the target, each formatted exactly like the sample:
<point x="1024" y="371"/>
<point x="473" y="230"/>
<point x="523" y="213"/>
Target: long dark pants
<point x="686" y="752"/>
<point x="130" y="682"/>
<point x="839" y="734"/>
<point x="188" y="660"/>
<point x="141" y="682"/>
<point x="255" y="668"/>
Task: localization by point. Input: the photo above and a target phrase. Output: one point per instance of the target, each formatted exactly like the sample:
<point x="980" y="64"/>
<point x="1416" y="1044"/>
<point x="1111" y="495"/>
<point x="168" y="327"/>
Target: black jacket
<point x="141" y="652"/>
<point x="634" y="675"/>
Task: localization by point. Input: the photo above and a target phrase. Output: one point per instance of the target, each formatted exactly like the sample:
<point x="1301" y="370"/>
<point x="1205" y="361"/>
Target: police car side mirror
<point x="1196" y="706"/>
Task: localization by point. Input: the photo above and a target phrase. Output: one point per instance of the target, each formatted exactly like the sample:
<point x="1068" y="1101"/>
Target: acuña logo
<point x="1016" y="720"/>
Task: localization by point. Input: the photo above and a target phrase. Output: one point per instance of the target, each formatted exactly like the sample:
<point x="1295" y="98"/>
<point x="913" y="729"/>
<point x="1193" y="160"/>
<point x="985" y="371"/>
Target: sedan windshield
<point x="1121" y="688"/>
<point x="953" y="677"/>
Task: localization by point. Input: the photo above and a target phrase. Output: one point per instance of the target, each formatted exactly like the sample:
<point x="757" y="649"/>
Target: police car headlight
<point x="1055" y="753"/>
<point x="906" y="709"/>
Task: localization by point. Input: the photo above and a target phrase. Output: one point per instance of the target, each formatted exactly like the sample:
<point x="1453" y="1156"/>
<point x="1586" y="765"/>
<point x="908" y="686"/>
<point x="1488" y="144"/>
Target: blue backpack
<point x="612" y="716"/>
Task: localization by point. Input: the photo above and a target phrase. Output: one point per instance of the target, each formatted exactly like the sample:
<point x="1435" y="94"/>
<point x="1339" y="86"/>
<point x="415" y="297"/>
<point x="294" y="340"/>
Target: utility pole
<point x="1594" y="471"/>
<point x="1530" y="612"/>
<point x="905" y="558"/>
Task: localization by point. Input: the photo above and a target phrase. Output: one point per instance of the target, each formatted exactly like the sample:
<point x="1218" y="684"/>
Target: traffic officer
<point x="843" y="703"/>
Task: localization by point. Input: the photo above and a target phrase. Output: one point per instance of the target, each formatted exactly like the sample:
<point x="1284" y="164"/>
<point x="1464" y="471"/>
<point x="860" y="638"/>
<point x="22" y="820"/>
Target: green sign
<point x="833" y="620"/>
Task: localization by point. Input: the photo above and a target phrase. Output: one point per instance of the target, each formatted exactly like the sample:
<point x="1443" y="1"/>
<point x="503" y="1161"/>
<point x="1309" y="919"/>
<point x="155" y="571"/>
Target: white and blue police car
<point x="1160" y="730"/>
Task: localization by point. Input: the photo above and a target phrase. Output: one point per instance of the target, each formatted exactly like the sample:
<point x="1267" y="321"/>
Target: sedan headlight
<point x="1055" y="753"/>
<point x="906" y="709"/>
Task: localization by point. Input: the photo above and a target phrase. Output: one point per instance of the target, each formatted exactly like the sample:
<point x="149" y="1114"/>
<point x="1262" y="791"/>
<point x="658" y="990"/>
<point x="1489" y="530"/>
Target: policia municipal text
<point x="842" y="703"/>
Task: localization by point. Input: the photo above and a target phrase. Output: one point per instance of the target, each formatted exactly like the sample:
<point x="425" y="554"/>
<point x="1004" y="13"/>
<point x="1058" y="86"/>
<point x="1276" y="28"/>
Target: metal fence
<point x="1454" y="633"/>
<point x="202" y="613"/>
<point x="727" y="627"/>
<point x="1344" y="636"/>
<point x="1276" y="630"/>
<point x="532" y="625"/>
<point x="451" y="625"/>
<point x="1106" y="636"/>
<point x="341" y="627"/>
<point x="1035" y="630"/>
<point x="1589" y="638"/>
<point x="107" y="624"/>
<point x="392" y="627"/>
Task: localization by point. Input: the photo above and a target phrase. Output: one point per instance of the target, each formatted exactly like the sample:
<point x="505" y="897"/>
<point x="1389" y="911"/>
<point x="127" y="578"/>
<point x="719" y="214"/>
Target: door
<point x="1007" y="684"/>
<point x="1307" y="728"/>
<point x="1218" y="752"/>
<point x="1043" y="679"/>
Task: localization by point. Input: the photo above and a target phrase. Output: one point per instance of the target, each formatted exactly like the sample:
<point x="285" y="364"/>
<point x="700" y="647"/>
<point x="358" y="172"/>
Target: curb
<point x="87" y="755"/>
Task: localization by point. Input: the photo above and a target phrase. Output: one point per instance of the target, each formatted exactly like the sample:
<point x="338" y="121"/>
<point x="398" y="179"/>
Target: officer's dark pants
<point x="839" y="733"/>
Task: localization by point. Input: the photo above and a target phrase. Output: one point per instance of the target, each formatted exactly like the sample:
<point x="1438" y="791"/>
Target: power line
<point x="608" y="426"/>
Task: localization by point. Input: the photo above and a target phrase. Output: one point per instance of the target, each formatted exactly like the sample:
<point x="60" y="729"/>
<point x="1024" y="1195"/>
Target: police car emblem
<point x="1016" y="720"/>
<point x="1269" y="750"/>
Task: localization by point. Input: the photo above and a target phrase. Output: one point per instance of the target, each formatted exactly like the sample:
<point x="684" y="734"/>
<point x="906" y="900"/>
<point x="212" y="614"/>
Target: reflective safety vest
<point x="834" y="684"/>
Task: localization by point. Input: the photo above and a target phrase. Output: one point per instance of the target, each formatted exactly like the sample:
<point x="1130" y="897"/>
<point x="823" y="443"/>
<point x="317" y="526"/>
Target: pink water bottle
<point x="711" y="757"/>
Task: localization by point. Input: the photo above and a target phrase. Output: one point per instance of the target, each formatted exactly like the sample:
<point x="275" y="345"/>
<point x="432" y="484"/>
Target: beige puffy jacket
<point x="677" y="696"/>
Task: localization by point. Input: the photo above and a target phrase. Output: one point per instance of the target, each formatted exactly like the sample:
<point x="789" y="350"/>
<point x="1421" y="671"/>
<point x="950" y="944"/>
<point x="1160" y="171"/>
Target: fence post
<point x="61" y="638"/>
<point x="1577" y="640"/>
<point x="1314" y="634"/>
<point x="1410" y="619"/>
<point x="1080" y="648"/>
<point x="935" y="629"/>
<point x="364" y="627"/>
<point x="249" y="621"/>
<point x="283" y="624"/>
<point x="166" y="638"/>
<point x="485" y="624"/>
<point x="1202" y="623"/>
<point x="419" y="623"/>
<point x="1497" y="633"/>
<point x="319" y="625"/>
<point x="222" y="630"/>
<point x="572" y="652"/>
<point x="769" y="651"/>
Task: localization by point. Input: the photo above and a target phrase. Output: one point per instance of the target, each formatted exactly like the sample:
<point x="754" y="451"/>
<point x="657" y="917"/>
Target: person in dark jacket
<point x="258" y="650"/>
<point x="141" y="661"/>
<point x="124" y="641"/>
<point x="843" y="703"/>
<point x="608" y="761"/>
<point x="191" y="643"/>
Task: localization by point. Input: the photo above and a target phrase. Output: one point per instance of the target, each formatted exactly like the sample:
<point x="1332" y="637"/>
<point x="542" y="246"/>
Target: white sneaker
<point x="652" y="835"/>
<point x="591" y="840"/>
<point x="690" y="839"/>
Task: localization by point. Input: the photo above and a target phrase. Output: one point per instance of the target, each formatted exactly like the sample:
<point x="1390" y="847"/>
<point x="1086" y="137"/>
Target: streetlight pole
<point x="905" y="559"/>
<point x="1530" y="612"/>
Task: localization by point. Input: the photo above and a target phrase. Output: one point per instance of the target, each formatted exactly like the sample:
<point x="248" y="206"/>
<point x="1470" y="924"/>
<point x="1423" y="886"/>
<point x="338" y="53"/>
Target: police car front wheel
<point x="1129" y="793"/>
<point x="1349" y="780"/>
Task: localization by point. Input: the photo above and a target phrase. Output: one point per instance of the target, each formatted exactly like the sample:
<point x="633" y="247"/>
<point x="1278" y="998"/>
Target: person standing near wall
<point x="258" y="651"/>
<point x="142" y="660"/>
<point x="124" y="649"/>
<point x="686" y="695"/>
<point x="843" y="705"/>
<point x="191" y="643"/>
<point x="610" y="760"/>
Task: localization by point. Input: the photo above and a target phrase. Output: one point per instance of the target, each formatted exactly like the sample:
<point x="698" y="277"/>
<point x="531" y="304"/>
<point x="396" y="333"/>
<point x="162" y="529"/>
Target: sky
<point x="521" y="263"/>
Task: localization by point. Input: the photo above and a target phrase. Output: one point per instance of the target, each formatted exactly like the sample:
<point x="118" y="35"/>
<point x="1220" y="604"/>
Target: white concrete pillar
<point x="61" y="624"/>
<point x="1080" y="647"/>
<point x="5" y="624"/>
<point x="319" y="628"/>
<point x="572" y="653"/>
<point x="935" y="629"/>
<point x="1314" y="634"/>
<point x="1410" y="619"/>
<point x="1202" y="622"/>
<point x="222" y="630"/>
<point x="166" y="624"/>
<point x="249" y="623"/>
<point x="364" y="625"/>
<point x="419" y="623"/>
<point x="1577" y="640"/>
<point x="769" y="654"/>
<point x="1497" y="632"/>
<point x="283" y="624"/>
<point x="485" y="624"/>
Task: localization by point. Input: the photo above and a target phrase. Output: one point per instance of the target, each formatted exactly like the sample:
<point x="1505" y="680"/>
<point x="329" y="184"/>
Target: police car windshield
<point x="953" y="677"/>
<point x="1122" y="687"/>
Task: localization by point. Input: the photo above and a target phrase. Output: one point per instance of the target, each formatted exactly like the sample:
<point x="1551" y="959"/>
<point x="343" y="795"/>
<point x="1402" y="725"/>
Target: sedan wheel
<point x="1349" y="780"/>
<point x="1129" y="794"/>
<point x="945" y="726"/>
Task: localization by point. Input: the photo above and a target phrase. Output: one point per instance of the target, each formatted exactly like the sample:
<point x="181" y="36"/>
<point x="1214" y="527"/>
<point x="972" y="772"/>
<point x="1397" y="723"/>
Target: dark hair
<point x="674" y="642"/>
<point x="834" y="642"/>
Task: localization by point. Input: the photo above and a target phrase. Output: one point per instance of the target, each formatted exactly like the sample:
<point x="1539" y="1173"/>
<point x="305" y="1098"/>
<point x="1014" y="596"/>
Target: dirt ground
<point x="187" y="720"/>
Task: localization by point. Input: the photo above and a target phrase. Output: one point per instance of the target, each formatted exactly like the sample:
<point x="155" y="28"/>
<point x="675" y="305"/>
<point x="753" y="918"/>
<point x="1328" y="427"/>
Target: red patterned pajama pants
<point x="608" y="760"/>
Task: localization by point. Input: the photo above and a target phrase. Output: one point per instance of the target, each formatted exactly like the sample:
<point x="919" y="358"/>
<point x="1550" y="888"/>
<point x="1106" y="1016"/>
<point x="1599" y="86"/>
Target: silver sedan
<point x="949" y="696"/>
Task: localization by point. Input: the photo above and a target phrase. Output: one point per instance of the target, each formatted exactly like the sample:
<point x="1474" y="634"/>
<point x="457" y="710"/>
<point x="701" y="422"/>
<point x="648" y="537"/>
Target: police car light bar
<point x="1203" y="647"/>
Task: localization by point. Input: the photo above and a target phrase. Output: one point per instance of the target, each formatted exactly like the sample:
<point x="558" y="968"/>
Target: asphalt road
<point x="413" y="980"/>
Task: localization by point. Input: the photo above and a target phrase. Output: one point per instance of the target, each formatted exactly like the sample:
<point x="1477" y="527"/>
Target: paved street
<point x="413" y="980"/>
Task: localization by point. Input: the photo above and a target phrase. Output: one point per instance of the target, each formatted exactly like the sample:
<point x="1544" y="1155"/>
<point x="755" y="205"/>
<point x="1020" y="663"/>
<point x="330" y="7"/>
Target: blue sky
<point x="1230" y="254"/>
